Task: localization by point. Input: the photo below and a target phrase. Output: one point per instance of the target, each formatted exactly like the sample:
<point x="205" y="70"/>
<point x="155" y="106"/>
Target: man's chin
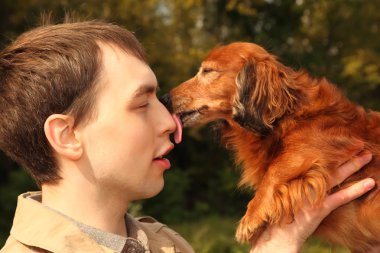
<point x="152" y="191"/>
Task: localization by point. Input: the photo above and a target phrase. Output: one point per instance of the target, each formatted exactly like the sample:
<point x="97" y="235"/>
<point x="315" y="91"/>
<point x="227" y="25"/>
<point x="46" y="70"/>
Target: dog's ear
<point x="264" y="94"/>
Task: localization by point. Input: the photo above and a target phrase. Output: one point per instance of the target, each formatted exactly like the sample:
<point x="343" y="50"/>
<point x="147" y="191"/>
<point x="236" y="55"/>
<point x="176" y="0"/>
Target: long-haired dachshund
<point x="289" y="132"/>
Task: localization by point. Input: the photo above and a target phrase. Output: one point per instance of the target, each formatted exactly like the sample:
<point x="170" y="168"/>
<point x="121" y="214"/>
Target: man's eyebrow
<point x="145" y="89"/>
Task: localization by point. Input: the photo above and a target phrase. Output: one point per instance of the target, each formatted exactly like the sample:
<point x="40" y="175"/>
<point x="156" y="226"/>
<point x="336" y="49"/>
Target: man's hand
<point x="289" y="238"/>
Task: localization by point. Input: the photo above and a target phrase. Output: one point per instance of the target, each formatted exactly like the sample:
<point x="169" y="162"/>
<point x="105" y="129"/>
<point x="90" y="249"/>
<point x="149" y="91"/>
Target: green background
<point x="338" y="39"/>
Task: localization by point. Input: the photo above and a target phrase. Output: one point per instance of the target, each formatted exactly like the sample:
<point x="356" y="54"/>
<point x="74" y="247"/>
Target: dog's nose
<point x="166" y="101"/>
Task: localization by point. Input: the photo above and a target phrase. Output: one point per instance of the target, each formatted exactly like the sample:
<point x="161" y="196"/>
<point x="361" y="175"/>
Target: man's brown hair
<point x="48" y="70"/>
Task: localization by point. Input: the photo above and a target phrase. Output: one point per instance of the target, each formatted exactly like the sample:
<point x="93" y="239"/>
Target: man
<point x="79" y="111"/>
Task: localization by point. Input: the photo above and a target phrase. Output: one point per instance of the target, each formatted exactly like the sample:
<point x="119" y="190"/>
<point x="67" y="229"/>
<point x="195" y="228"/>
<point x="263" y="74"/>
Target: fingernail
<point x="366" y="157"/>
<point x="369" y="183"/>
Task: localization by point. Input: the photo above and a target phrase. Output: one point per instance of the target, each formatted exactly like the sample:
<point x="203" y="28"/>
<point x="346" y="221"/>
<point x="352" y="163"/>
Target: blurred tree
<point x="340" y="40"/>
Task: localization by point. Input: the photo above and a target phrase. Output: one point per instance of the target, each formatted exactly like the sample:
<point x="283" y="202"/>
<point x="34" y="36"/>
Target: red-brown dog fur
<point x="289" y="132"/>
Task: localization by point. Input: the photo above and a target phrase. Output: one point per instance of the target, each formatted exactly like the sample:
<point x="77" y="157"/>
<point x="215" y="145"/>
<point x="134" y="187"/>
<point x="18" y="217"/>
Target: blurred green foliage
<point x="338" y="39"/>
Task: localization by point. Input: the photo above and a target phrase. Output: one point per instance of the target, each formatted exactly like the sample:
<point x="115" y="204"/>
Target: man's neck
<point x="83" y="202"/>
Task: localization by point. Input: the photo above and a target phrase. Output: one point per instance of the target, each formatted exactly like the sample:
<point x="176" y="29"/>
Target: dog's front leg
<point x="256" y="217"/>
<point x="279" y="196"/>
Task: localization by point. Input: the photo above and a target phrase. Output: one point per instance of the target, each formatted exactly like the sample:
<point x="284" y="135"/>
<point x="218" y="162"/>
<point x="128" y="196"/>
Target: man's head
<point x="122" y="148"/>
<point x="53" y="69"/>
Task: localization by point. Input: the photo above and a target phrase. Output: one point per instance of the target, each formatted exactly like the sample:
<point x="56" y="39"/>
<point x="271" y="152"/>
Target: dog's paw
<point x="249" y="229"/>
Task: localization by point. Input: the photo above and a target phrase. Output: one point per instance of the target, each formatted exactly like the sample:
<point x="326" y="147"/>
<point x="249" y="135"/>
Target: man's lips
<point x="161" y="160"/>
<point x="167" y="151"/>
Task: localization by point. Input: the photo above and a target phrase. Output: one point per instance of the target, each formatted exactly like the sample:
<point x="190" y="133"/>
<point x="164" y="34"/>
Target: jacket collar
<point x="33" y="223"/>
<point x="157" y="242"/>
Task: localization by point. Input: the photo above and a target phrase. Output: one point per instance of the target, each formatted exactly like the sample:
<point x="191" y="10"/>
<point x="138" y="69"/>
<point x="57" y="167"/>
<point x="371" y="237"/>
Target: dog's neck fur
<point x="318" y="95"/>
<point x="250" y="150"/>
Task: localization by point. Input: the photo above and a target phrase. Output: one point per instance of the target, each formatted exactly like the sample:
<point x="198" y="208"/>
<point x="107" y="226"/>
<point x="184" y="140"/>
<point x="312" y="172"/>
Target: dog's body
<point x="290" y="132"/>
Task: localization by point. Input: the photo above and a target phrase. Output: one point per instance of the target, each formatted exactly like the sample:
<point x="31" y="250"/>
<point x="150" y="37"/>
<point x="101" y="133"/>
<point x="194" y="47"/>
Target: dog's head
<point x="240" y="82"/>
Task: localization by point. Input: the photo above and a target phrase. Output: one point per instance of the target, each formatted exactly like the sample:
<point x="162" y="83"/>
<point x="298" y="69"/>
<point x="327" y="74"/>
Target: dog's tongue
<point x="178" y="131"/>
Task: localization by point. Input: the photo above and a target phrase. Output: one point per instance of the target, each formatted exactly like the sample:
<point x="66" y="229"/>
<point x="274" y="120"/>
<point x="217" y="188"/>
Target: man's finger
<point x="348" y="168"/>
<point x="348" y="194"/>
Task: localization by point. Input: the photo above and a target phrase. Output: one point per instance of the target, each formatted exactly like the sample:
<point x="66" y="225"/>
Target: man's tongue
<point x="178" y="131"/>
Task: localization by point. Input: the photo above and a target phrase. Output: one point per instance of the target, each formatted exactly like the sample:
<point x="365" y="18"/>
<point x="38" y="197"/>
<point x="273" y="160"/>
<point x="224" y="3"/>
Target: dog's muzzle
<point x="166" y="101"/>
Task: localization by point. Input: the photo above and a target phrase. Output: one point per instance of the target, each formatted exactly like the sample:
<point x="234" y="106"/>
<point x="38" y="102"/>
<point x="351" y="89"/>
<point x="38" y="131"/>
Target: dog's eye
<point x="206" y="70"/>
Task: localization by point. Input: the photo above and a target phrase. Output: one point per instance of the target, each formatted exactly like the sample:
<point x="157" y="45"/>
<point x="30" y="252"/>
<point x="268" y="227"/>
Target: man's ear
<point x="59" y="130"/>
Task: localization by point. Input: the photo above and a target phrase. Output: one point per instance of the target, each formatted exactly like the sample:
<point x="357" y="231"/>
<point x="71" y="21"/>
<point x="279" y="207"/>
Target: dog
<point x="289" y="132"/>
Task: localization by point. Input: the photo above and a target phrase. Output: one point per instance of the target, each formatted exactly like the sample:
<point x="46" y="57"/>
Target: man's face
<point x="130" y="133"/>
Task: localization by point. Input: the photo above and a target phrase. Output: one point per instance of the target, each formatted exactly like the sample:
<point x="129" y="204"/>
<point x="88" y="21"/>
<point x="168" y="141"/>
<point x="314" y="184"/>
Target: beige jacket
<point x="40" y="229"/>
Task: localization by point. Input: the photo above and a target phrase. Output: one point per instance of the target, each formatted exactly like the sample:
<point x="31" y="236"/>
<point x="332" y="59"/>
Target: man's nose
<point x="166" y="101"/>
